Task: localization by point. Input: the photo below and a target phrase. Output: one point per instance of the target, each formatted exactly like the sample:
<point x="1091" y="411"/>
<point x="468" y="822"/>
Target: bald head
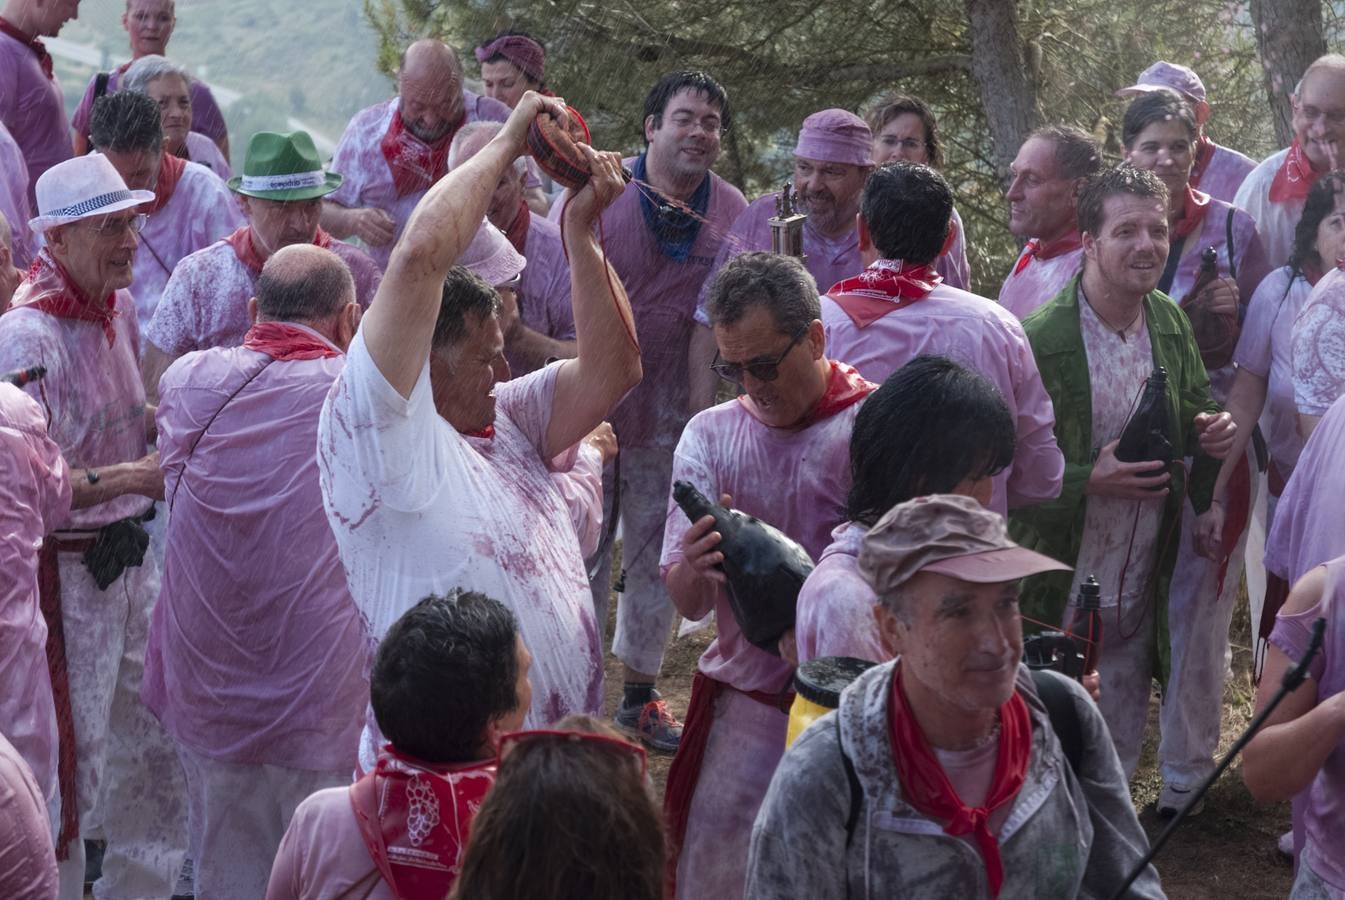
<point x="303" y="283"/>
<point x="1319" y="112"/>
<point x="429" y="85"/>
<point x="507" y="199"/>
<point x="430" y="58"/>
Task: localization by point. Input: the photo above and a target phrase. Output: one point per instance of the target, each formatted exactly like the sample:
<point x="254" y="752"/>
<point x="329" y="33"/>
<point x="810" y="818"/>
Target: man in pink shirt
<point x="544" y="326"/>
<point x="14" y="206"/>
<point x="257" y="654"/>
<point x="192" y="208"/>
<point x="31" y="104"/>
<point x="205" y="303"/>
<point x="1046" y="175"/>
<point x="1216" y="170"/>
<point x="1275" y="191"/>
<point x="73" y="315"/>
<point x="780" y="452"/>
<point x="393" y="151"/>
<point x="897" y="309"/>
<point x="366" y="839"/>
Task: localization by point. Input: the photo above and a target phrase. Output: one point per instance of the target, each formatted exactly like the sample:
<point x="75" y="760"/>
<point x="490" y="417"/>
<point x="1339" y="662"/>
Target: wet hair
<point x="125" y="122"/>
<point x="309" y="290"/>
<point x="500" y="57"/>
<point x="465" y="296"/>
<point x="931" y="425"/>
<point x="445" y="670"/>
<point x="907" y="208"/>
<point x="565" y="819"/>
<point x="895" y="105"/>
<point x="1121" y="179"/>
<point x="779" y="283"/>
<point x="1320" y="204"/>
<point x="669" y="86"/>
<point x="1161" y="105"/>
<point x="1077" y="153"/>
<point x="148" y="69"/>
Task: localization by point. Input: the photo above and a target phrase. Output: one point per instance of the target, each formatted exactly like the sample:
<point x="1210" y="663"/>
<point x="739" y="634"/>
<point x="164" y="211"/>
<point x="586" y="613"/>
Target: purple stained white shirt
<point x="1265" y="349"/>
<point x="367" y="180"/>
<point x="257" y="654"/>
<point x="1319" y="346"/>
<point x="1039" y="281"/>
<point x="14" y="205"/>
<point x="33" y="109"/>
<point x="205" y="303"/>
<point x="1306" y="530"/>
<point x="1275" y="222"/>
<point x="835" y="616"/>
<point x="206" y="118"/>
<point x="205" y="152"/>
<point x="982" y="336"/>
<point x="92" y="394"/>
<point x="796" y="479"/>
<point x="544" y="291"/>
<point x="201" y="211"/>
<point x="34" y="501"/>
<point x="1225" y="173"/>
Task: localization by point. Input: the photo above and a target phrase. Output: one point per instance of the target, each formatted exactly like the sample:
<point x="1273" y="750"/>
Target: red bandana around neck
<point x="845" y="388"/>
<point x="246" y="250"/>
<point x="54" y="292"/>
<point x="1204" y="153"/>
<point x="415" y="818"/>
<point x="885" y="286"/>
<point x="517" y="232"/>
<point x="32" y="43"/>
<point x="1294" y="178"/>
<point x="1194" y="206"/>
<point x="170" y="173"/>
<point x="283" y="342"/>
<point x="926" y="787"/>
<point x="1035" y="249"/>
<point x="415" y="164"/>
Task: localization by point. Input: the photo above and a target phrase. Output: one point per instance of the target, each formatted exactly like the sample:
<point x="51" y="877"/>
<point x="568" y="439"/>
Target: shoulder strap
<point x="1170" y="270"/>
<point x="100" y="84"/>
<point x="856" y="792"/>
<point x="1228" y="244"/>
<point x="1064" y="716"/>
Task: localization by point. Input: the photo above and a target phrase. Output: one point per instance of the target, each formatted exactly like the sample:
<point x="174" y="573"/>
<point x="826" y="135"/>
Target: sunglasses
<point x="765" y="370"/>
<point x="616" y="745"/>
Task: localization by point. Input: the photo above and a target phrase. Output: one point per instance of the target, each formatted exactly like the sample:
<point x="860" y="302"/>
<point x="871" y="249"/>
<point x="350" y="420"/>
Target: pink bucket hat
<point x="1164" y="74"/>
<point x="836" y="135"/>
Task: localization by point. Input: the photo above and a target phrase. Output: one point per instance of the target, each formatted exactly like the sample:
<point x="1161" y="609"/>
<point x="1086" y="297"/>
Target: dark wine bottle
<point x="765" y="568"/>
<point x="1209" y="270"/>
<point x="1148" y="434"/>
<point x="1086" y="625"/>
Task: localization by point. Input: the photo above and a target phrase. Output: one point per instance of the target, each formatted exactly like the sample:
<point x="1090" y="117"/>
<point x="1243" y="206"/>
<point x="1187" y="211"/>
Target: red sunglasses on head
<point x="635" y="751"/>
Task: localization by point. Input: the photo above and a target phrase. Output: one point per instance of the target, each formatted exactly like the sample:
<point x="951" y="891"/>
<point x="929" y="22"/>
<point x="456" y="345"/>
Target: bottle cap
<point x="821" y="680"/>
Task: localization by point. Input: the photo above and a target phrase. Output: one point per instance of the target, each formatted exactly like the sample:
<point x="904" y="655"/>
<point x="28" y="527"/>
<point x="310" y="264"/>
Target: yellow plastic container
<point x="818" y="684"/>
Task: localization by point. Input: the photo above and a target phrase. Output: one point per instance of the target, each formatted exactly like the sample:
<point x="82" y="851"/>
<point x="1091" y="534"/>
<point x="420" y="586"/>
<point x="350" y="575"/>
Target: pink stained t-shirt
<point x="205" y="152"/>
<point x="544" y="291"/>
<point x="1307" y="528"/>
<point x="201" y="211"/>
<point x="205" y="303"/>
<point x="34" y="501"/>
<point x="367" y="180"/>
<point x="1039" y="281"/>
<point x="1275" y="222"/>
<point x="257" y="654"/>
<point x="14" y="205"/>
<point x="1225" y="173"/>
<point x="1319" y="346"/>
<point x="835" y="615"/>
<point x="794" y="479"/>
<point x="982" y="336"/>
<point x="323" y="854"/>
<point x="33" y="109"/>
<point x="27" y="858"/>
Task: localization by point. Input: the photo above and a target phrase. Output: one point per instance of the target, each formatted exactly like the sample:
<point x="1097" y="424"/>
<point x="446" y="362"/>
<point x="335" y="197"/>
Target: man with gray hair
<point x="544" y="325"/>
<point x="393" y="151"/>
<point x="919" y="769"/>
<point x="257" y="655"/>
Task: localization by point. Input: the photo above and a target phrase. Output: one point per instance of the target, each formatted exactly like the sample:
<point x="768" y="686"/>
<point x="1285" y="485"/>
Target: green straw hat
<point x="283" y="167"/>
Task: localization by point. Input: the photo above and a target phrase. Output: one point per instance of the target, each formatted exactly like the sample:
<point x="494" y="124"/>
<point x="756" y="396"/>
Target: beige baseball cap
<point x="948" y="534"/>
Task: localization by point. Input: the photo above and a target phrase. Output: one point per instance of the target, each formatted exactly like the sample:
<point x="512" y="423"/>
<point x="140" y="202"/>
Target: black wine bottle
<point x="1148" y="434"/>
<point x="765" y="568"/>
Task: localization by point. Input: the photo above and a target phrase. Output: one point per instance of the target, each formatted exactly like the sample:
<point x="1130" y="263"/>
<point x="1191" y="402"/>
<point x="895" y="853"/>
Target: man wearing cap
<point x="1046" y="176"/>
<point x="32" y="106"/>
<point x="191" y="210"/>
<point x="1216" y="170"/>
<point x="393" y="151"/>
<point x="897" y="308"/>
<point x="257" y="654"/>
<point x="907" y="789"/>
<point x="1276" y="190"/>
<point x="205" y="303"/>
<point x="74" y="316"/>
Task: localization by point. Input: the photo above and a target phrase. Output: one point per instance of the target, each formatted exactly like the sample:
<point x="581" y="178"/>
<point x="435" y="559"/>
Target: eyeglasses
<point x="766" y="370"/>
<point x="112" y="227"/>
<point x="616" y="745"/>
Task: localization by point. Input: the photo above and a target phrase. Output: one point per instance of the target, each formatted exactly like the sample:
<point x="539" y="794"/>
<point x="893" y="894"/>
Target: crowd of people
<point x="313" y="477"/>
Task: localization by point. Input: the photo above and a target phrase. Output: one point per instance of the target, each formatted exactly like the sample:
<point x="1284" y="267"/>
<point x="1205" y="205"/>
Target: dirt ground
<point x="1226" y="852"/>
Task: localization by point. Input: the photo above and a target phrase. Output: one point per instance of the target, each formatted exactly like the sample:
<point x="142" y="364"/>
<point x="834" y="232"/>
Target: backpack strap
<point x="1228" y="245"/>
<point x="856" y="792"/>
<point x="1063" y="714"/>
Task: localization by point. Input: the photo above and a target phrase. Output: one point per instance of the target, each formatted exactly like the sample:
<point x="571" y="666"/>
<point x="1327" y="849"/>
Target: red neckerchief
<point x="845" y="388"/>
<point x="415" y="164"/>
<point x="1294" y="178"/>
<point x="170" y="173"/>
<point x="488" y="433"/>
<point x="284" y="342"/>
<point x="32" y="43"/>
<point x="1194" y="206"/>
<point x="1035" y="249"/>
<point x="517" y="232"/>
<point x="886" y="285"/>
<point x="415" y="818"/>
<point x="246" y="250"/>
<point x="926" y="787"/>
<point x="54" y="292"/>
<point x="1204" y="153"/>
